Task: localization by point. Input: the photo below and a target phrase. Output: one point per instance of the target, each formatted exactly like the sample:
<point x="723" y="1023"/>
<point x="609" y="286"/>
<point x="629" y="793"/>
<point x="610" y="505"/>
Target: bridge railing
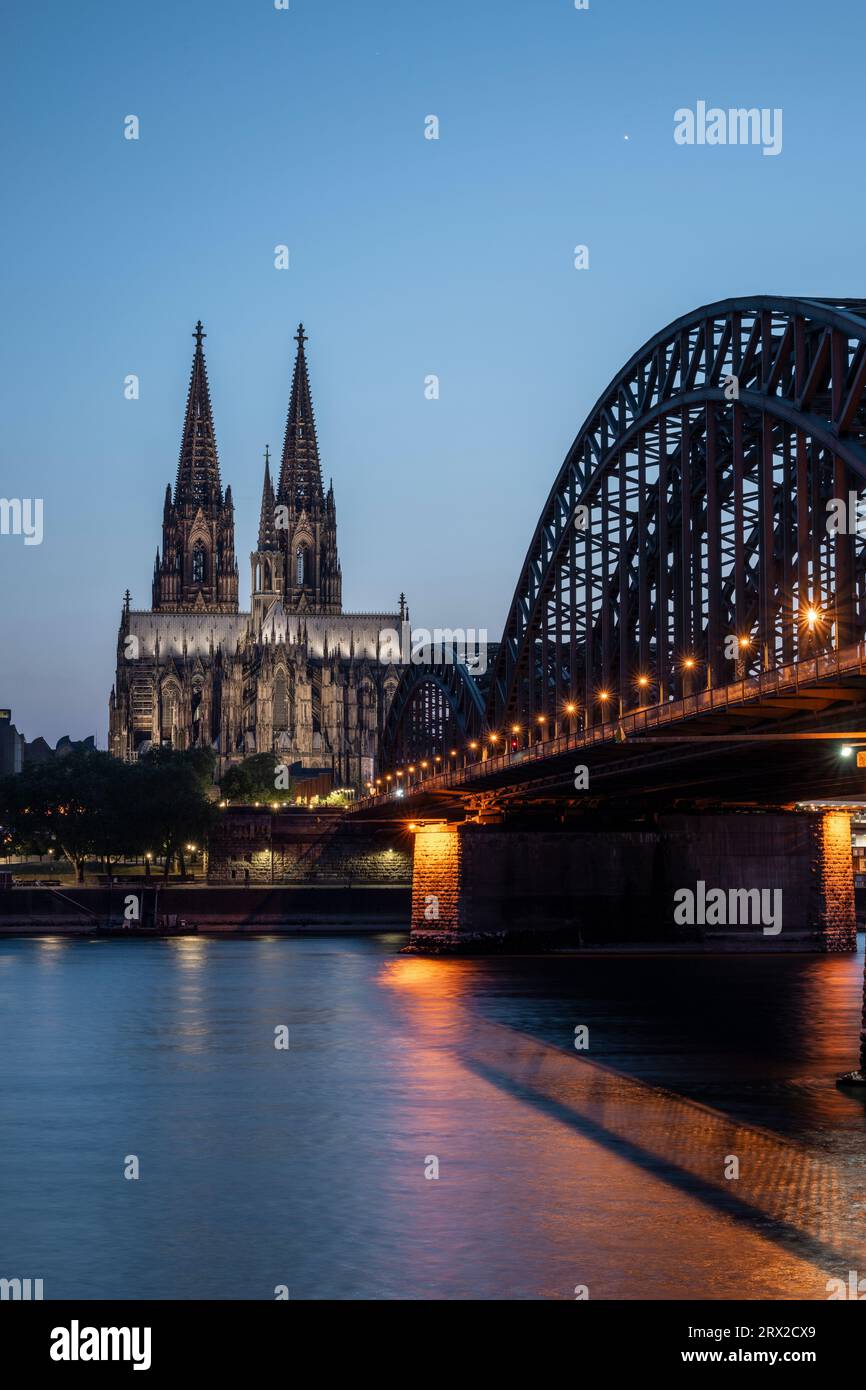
<point x="793" y="676"/>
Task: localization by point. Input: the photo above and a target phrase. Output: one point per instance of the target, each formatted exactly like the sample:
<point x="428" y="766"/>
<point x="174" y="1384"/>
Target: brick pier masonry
<point x="479" y="887"/>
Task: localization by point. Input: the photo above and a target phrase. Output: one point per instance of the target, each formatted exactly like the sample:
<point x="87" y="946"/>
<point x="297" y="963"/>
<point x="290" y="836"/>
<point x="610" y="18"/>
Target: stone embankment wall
<point x="257" y="846"/>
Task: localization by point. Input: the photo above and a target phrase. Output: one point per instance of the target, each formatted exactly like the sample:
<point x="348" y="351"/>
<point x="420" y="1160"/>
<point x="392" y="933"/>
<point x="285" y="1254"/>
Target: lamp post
<point x="689" y="666"/>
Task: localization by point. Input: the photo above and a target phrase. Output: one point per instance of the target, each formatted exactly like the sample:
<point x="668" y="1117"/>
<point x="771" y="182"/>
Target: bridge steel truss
<point x="434" y="708"/>
<point x="687" y="541"/>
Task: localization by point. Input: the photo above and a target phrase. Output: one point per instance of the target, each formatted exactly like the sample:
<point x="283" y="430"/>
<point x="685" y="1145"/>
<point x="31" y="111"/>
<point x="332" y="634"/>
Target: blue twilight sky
<point x="408" y="257"/>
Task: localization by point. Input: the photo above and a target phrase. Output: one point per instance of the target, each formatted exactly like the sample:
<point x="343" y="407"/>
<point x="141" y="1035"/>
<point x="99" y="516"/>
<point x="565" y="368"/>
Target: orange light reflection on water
<point x="564" y="1142"/>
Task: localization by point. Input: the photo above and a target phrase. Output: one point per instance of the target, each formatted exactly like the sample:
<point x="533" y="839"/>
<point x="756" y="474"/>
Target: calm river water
<point x="258" y="1167"/>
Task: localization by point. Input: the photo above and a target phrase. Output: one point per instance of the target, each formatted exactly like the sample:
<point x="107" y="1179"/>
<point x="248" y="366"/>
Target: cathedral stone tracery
<point x="295" y="675"/>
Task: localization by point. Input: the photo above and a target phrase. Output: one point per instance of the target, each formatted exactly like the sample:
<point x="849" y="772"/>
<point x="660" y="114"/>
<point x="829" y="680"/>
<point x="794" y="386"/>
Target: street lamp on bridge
<point x="643" y="685"/>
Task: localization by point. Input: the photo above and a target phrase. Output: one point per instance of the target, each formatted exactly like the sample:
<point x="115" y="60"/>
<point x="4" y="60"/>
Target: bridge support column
<point x="484" y="887"/>
<point x="727" y="882"/>
<point x="436" y="886"/>
<point x="838" y="918"/>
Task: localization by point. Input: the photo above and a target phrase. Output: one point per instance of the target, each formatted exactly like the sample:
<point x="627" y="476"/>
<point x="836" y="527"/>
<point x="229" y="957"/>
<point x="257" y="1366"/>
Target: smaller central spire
<point x="267" y="517"/>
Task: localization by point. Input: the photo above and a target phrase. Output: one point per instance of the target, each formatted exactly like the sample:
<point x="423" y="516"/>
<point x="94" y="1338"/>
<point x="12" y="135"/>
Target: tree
<point x="173" y="806"/>
<point x="90" y="805"/>
<point x="255" y="779"/>
<point x="76" y="802"/>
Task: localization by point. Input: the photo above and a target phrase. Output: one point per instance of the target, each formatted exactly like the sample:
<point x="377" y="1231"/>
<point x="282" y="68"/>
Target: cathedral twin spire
<point x="296" y="558"/>
<point x="198" y="470"/>
<point x="300" y="484"/>
<point x="198" y="569"/>
<point x="305" y="530"/>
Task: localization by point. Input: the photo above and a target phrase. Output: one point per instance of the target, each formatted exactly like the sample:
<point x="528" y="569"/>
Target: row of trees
<point x="89" y="806"/>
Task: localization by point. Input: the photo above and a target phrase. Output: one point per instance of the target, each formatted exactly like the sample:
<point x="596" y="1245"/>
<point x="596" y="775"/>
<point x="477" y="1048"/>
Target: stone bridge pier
<point x="775" y="881"/>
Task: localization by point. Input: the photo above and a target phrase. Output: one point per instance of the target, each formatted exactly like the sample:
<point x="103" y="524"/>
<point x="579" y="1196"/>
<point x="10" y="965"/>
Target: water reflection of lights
<point x="52" y="945"/>
<point x="190" y="1022"/>
<point x="436" y="989"/>
<point x="414" y="972"/>
<point x="190" y="950"/>
<point x="669" y="1139"/>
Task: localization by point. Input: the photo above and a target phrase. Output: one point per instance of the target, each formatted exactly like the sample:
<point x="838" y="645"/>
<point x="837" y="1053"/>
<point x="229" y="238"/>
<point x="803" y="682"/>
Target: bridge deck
<point x="801" y="701"/>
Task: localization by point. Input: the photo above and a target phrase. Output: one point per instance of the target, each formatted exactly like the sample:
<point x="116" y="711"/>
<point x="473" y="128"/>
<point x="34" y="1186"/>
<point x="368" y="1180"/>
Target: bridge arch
<point x="686" y="540"/>
<point x="434" y="708"/>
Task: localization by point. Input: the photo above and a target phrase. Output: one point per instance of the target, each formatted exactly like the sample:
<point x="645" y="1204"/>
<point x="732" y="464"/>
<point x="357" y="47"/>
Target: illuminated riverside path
<point x="603" y="1168"/>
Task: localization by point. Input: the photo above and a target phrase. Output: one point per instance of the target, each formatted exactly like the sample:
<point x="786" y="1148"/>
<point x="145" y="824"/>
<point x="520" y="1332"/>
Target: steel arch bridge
<point x="687" y="540"/>
<point x="433" y="708"/>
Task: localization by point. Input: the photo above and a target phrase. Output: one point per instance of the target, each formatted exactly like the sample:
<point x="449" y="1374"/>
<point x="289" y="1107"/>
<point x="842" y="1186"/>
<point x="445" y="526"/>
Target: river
<point x="309" y="1168"/>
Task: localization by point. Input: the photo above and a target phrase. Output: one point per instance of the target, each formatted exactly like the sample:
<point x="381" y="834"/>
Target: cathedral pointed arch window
<point x="141" y="703"/>
<point x="300" y="565"/>
<point x="316" y="701"/>
<point x="281" y="703"/>
<point x="170" y="716"/>
<point x="196" y="712"/>
<point x="199" y="564"/>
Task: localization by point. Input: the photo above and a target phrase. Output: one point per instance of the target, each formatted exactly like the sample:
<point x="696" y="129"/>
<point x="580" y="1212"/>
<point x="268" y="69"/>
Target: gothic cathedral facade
<point x="295" y="675"/>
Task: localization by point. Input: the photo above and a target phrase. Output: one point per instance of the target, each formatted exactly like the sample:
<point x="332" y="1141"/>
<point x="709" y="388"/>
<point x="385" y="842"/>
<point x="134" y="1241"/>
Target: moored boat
<point x="169" y="924"/>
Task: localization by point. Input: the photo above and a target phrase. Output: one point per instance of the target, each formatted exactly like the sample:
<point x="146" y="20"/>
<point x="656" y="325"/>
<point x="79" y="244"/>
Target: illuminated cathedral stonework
<point x="295" y="675"/>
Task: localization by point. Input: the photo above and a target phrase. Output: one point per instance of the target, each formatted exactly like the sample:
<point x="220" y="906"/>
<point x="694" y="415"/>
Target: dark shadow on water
<point x="761" y="1037"/>
<point x="793" y="1188"/>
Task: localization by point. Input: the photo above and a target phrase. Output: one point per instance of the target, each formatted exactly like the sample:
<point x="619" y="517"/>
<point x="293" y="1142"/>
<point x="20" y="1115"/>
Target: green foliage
<point x="202" y="761"/>
<point x="340" y="796"/>
<point x="91" y="806"/>
<point x="255" y="779"/>
<point x="73" y="802"/>
<point x="173" y="804"/>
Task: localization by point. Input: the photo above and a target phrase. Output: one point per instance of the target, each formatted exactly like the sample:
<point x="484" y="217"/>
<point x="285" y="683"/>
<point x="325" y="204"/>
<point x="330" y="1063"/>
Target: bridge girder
<point x="703" y="473"/>
<point x="433" y="707"/>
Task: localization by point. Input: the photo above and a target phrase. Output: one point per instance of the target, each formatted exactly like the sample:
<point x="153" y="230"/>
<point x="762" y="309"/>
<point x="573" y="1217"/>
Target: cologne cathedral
<point x="295" y="675"/>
